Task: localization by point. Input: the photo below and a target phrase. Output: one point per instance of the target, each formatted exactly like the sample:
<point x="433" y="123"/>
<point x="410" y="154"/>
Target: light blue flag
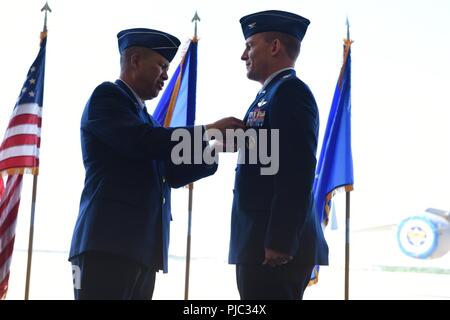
<point x="177" y="104"/>
<point x="335" y="168"/>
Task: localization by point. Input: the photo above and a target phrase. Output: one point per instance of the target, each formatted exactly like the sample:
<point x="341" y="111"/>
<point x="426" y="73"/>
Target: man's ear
<point x="275" y="47"/>
<point x="135" y="60"/>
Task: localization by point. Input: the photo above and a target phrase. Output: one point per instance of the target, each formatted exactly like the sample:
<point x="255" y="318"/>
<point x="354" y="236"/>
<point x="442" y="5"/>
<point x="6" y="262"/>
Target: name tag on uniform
<point x="256" y="118"/>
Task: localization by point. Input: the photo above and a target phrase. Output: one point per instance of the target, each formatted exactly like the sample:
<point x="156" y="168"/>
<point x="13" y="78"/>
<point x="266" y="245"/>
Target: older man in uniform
<point x="276" y="237"/>
<point x="121" y="236"/>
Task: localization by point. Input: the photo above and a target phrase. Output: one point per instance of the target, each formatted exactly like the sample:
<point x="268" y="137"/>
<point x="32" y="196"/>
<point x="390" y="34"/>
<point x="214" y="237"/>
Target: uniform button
<point x="164" y="179"/>
<point x="164" y="200"/>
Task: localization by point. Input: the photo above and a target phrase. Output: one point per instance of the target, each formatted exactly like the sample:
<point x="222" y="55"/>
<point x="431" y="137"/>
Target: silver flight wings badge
<point x="262" y="102"/>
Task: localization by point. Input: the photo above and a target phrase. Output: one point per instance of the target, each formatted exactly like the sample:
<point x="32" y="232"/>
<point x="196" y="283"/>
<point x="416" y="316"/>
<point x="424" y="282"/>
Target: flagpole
<point x="188" y="243"/>
<point x="46" y="8"/>
<point x="195" y="19"/>
<point x="347" y="243"/>
<point x="347" y="207"/>
<point x="30" y="238"/>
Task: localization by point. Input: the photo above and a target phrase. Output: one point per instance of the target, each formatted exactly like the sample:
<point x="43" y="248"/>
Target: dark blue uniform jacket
<point x="277" y="211"/>
<point x="125" y="203"/>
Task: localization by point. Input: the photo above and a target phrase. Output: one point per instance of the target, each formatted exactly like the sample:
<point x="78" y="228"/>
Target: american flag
<point x="19" y="153"/>
<point x="2" y="187"/>
<point x="9" y="206"/>
<point x="20" y="148"/>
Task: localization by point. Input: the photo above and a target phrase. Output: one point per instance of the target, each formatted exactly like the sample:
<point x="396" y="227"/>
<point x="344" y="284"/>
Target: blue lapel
<point x="262" y="93"/>
<point x="141" y="112"/>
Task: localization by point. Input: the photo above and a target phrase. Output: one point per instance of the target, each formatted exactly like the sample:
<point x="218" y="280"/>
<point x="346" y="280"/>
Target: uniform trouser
<point x="105" y="276"/>
<point x="262" y="282"/>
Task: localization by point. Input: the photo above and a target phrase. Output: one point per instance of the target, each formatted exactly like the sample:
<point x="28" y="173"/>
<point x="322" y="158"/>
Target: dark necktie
<point x="148" y="118"/>
<point x="143" y="112"/>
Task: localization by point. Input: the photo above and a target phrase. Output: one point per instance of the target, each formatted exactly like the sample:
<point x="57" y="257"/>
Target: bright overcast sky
<point x="400" y="104"/>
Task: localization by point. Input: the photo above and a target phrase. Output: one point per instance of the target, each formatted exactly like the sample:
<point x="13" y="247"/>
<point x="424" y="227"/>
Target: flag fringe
<point x="7" y="172"/>
<point x="347" y="45"/>
<point x="330" y="195"/>
<point x="315" y="279"/>
<point x="43" y="35"/>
